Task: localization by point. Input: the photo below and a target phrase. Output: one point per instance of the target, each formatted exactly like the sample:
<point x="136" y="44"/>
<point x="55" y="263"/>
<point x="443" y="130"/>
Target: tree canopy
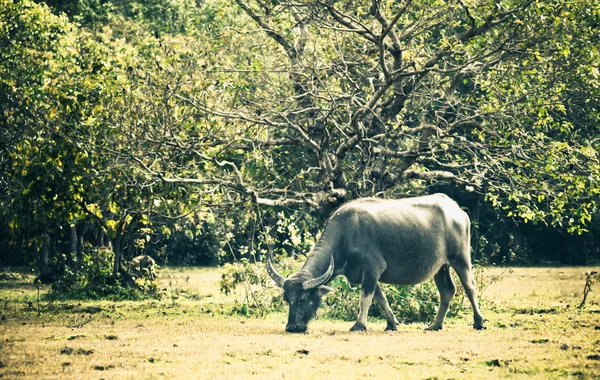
<point x="312" y="103"/>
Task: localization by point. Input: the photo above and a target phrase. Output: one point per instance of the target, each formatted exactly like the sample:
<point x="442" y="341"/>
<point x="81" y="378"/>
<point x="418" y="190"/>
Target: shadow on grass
<point x="17" y="284"/>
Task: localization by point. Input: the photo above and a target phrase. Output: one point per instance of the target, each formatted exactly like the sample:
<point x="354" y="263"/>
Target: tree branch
<point x="289" y="48"/>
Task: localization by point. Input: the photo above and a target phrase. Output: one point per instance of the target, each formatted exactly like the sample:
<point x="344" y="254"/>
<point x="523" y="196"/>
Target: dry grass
<point x="534" y="330"/>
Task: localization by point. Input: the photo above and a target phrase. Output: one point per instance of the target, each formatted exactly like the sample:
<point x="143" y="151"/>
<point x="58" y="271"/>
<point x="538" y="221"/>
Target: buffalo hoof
<point x="295" y="329"/>
<point x="478" y="324"/>
<point x="391" y="327"/>
<point x="358" y="327"/>
<point x="433" y="328"/>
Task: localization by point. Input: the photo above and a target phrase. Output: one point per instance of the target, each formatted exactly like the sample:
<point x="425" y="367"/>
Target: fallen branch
<point x="80" y="325"/>
<point x="589" y="281"/>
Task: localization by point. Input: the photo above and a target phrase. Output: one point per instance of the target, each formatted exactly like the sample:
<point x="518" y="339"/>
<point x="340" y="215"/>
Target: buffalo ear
<point x="324" y="290"/>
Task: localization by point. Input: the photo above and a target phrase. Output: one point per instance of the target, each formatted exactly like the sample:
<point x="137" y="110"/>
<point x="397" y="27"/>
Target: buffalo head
<point x="302" y="292"/>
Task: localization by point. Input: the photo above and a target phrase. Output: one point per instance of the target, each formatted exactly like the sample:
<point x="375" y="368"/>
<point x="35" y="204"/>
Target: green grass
<point x="534" y="330"/>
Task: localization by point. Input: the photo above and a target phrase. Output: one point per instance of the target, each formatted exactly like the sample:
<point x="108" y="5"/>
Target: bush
<point x="259" y="296"/>
<point x="414" y="303"/>
<point x="93" y="280"/>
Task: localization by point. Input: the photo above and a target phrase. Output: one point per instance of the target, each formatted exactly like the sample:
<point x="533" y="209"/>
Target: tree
<point x="147" y="123"/>
<point x="337" y="100"/>
<point x="56" y="87"/>
<point x="35" y="162"/>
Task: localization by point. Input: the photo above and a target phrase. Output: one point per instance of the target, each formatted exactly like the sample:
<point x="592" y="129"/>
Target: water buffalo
<point x="400" y="242"/>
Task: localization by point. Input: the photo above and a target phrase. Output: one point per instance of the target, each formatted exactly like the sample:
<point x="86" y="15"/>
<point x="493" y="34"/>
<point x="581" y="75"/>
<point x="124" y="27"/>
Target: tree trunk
<point x="79" y="256"/>
<point x="123" y="235"/>
<point x="44" y="253"/>
<point x="72" y="257"/>
<point x="100" y="237"/>
<point x="106" y="241"/>
<point x="117" y="251"/>
<point x="475" y="232"/>
<point x="45" y="275"/>
<point x="80" y="247"/>
<point x="126" y="240"/>
<point x="116" y="247"/>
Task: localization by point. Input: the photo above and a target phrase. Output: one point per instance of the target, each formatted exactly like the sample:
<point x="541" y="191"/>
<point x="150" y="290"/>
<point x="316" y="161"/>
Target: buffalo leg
<point x="446" y="288"/>
<point x="366" y="298"/>
<point x="392" y="322"/>
<point x="466" y="278"/>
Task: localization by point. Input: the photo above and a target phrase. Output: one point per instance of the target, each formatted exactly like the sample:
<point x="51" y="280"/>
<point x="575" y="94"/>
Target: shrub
<point x="94" y="280"/>
<point x="414" y="303"/>
<point x="259" y="296"/>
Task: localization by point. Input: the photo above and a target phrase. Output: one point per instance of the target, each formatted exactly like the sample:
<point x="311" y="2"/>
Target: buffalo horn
<point x="310" y="284"/>
<point x="279" y="279"/>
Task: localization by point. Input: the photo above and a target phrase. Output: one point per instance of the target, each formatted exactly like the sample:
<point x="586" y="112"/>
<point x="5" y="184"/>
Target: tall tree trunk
<point x="80" y="246"/>
<point x="106" y="242"/>
<point x="116" y="247"/>
<point x="72" y="258"/>
<point x="126" y="240"/>
<point x="100" y="237"/>
<point x="117" y="251"/>
<point x="475" y="231"/>
<point x="45" y="275"/>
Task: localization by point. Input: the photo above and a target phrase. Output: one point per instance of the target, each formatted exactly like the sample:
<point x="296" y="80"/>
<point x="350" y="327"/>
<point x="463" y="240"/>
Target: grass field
<point x="534" y="329"/>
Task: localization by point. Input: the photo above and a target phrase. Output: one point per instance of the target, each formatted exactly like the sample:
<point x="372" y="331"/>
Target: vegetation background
<point x="199" y="131"/>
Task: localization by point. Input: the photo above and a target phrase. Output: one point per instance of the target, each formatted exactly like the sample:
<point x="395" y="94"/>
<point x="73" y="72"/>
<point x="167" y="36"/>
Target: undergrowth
<point x="253" y="290"/>
<point x="255" y="294"/>
<point x="93" y="280"/>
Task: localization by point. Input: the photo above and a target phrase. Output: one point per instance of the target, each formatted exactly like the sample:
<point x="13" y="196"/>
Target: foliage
<point x="158" y="127"/>
<point x="242" y="273"/>
<point x="410" y="304"/>
<point x="415" y="303"/>
<point x="377" y="98"/>
<point x="94" y="280"/>
<point x="58" y="173"/>
<point x="32" y="161"/>
<point x="260" y="296"/>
